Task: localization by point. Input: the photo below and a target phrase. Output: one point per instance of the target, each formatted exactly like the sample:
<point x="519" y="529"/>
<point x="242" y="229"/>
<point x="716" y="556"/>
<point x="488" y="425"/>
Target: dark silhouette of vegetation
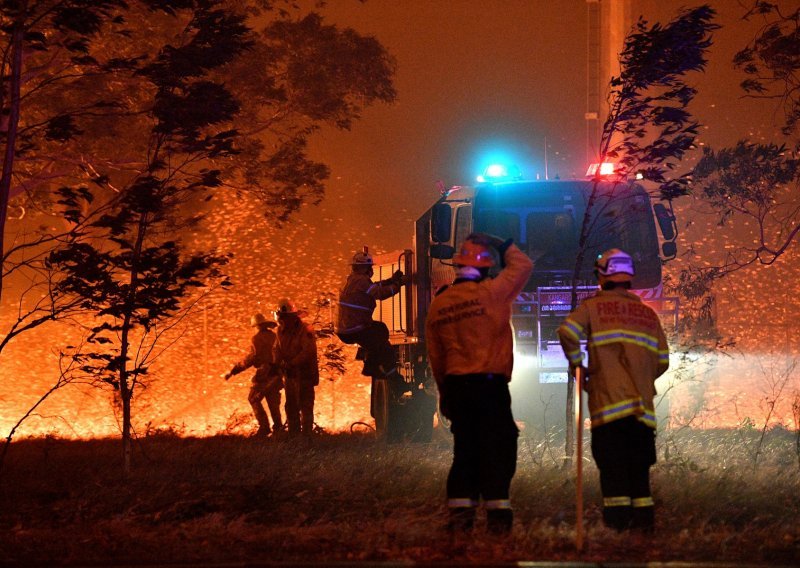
<point x="176" y="135"/>
<point x="754" y="184"/>
<point x="771" y="60"/>
<point x="648" y="129"/>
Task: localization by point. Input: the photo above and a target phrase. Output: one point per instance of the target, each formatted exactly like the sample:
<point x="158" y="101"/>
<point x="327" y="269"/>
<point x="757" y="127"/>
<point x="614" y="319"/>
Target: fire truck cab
<point x="545" y="218"/>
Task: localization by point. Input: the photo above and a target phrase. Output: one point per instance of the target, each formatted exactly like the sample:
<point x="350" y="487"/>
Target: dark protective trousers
<point x="272" y="393"/>
<point x="484" y="447"/>
<point x="299" y="405"/>
<point x="375" y="341"/>
<point x="624" y="450"/>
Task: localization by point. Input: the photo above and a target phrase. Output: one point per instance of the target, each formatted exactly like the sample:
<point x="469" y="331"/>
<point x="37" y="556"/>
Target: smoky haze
<point x="500" y="77"/>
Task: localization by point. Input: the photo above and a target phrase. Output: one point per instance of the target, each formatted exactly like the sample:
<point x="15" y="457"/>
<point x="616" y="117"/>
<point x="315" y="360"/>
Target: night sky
<point x="478" y="77"/>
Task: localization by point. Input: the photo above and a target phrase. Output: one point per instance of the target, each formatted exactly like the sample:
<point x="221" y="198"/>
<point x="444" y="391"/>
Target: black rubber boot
<point x="499" y="521"/>
<point x="462" y="519"/>
<point x="617" y="518"/>
<point x="643" y="519"/>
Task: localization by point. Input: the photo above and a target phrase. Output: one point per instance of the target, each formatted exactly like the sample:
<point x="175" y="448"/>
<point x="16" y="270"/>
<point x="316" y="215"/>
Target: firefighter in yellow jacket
<point x="267" y="381"/>
<point x="627" y="352"/>
<point x="296" y="353"/>
<point x="470" y="348"/>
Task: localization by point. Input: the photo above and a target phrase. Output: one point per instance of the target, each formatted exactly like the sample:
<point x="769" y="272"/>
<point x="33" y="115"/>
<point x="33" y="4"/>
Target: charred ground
<point x="352" y="498"/>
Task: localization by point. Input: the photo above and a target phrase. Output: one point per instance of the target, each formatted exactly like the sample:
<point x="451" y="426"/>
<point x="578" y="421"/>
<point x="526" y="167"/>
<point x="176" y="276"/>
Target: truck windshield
<point x="548" y="232"/>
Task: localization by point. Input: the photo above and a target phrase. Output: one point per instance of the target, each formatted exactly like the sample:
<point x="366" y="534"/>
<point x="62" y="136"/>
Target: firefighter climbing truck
<point x="545" y="218"/>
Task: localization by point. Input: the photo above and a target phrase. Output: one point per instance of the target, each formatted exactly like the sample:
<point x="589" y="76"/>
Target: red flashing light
<point x="601" y="170"/>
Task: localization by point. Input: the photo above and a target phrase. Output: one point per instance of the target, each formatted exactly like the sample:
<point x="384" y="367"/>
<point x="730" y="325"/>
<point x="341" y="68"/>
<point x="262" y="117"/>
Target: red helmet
<point x="474" y="254"/>
<point x="285" y="307"/>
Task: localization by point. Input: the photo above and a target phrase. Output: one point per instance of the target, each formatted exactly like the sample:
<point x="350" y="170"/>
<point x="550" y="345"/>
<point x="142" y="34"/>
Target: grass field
<point x="352" y="497"/>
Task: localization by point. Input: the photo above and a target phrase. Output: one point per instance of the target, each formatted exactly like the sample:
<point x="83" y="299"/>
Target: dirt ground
<point x="354" y="498"/>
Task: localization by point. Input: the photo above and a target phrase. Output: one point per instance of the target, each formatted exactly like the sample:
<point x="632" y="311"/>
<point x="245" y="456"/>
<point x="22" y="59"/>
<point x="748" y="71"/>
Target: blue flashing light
<point x="499" y="172"/>
<point x="496" y="171"/>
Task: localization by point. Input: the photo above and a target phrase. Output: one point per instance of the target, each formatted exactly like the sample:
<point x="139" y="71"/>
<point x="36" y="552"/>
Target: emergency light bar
<point x="601" y="169"/>
<point x="499" y="172"/>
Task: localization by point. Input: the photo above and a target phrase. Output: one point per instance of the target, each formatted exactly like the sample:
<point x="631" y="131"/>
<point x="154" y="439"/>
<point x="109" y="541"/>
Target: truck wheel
<point x="380" y="404"/>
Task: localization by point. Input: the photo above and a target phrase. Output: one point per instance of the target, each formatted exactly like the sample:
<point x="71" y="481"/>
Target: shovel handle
<point x="579" y="378"/>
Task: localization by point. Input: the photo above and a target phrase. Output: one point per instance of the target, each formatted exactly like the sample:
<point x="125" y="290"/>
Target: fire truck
<point x="545" y="218"/>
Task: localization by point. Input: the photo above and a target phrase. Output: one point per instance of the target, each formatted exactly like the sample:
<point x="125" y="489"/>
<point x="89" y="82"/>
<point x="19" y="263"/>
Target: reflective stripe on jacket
<point x="357" y="300"/>
<point x="468" y="329"/>
<point x="627" y="352"/>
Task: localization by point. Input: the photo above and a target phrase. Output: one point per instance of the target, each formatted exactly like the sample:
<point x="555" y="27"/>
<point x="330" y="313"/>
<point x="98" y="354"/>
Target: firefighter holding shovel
<point x="627" y="352"/>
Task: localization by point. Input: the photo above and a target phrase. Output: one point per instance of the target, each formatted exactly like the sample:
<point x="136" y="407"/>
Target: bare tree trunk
<point x="13" y="125"/>
<point x="125" y="386"/>
<point x="126" y="427"/>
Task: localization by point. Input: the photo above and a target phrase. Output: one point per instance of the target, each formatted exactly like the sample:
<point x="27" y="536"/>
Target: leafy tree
<point x="648" y="129"/>
<point x="84" y="103"/>
<point x="755" y="184"/>
<point x="47" y="47"/>
<point x="191" y="136"/>
<point x="134" y="272"/>
<point x="772" y="60"/>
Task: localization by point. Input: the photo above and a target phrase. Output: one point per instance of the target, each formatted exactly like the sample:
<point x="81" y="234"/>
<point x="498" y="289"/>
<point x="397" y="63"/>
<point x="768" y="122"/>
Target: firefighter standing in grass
<point x="627" y="352"/>
<point x="296" y="353"/>
<point x="354" y="324"/>
<point x="470" y="348"/>
<point x="267" y="382"/>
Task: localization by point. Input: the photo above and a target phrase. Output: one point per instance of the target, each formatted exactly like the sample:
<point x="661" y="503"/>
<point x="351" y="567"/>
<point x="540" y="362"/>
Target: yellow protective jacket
<point x="357" y="300"/>
<point x="468" y="329"/>
<point x="260" y="356"/>
<point x="296" y="351"/>
<point x="627" y="352"/>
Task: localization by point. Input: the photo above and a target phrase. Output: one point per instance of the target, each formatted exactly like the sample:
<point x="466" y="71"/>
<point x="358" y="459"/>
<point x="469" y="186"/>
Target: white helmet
<point x="362" y="258"/>
<point x="616" y="265"/>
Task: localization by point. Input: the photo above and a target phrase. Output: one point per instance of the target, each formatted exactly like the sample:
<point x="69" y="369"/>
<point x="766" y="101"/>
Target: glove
<point x="398" y="278"/>
<point x="496" y="242"/>
<point x="584" y="374"/>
